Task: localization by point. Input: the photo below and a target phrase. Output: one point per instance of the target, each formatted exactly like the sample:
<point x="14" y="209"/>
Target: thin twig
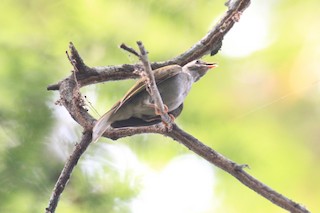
<point x="209" y="44"/>
<point x="151" y="84"/>
<point x="129" y="49"/>
<point x="234" y="169"/>
<point x="67" y="170"/>
<point x="86" y="76"/>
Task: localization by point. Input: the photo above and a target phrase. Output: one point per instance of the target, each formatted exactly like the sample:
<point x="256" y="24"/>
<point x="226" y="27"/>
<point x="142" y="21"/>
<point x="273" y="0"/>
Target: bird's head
<point x="198" y="68"/>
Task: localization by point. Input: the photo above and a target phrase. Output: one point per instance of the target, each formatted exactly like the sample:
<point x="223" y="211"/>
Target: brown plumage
<point x="136" y="108"/>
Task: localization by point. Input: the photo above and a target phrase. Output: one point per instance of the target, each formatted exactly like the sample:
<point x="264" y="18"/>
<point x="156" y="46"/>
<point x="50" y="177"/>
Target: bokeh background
<point x="260" y="107"/>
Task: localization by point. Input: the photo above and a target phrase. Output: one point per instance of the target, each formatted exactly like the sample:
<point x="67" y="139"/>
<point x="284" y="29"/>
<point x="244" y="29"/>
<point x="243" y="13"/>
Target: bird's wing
<point x="136" y="122"/>
<point x="160" y="74"/>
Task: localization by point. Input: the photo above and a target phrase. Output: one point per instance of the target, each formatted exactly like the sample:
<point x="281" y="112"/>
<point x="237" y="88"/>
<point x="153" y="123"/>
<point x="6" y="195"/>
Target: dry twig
<point x="85" y="75"/>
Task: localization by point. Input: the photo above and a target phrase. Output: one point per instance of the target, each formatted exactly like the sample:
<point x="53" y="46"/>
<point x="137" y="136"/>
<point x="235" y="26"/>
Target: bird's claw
<point x="167" y="122"/>
<point x="168" y="125"/>
<point x="158" y="111"/>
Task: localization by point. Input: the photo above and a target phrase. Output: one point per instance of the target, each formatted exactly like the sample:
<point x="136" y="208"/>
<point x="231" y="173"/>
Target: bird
<point x="137" y="108"/>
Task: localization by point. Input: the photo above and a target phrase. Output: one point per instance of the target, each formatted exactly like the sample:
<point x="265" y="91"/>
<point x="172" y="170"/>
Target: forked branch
<point x="71" y="99"/>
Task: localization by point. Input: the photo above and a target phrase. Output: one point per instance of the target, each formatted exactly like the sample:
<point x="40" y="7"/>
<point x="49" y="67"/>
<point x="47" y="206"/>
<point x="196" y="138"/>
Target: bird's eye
<point x="197" y="61"/>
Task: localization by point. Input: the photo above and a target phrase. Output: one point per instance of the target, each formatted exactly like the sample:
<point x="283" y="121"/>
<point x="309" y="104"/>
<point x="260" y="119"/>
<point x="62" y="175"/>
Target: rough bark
<point x="83" y="75"/>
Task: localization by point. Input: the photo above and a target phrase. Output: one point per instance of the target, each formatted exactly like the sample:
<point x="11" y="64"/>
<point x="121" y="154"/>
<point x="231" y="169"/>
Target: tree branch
<point x="234" y="169"/>
<point x="152" y="86"/>
<point x="130" y="50"/>
<point x="67" y="170"/>
<point x="210" y="43"/>
<point x="71" y="99"/>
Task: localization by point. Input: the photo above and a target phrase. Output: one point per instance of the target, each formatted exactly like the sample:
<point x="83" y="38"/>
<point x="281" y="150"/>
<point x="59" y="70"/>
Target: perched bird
<point x="136" y="108"/>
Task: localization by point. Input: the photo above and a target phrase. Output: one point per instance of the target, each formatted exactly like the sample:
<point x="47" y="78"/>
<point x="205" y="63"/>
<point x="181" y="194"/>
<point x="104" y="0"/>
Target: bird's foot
<point x="168" y="121"/>
<point x="158" y="111"/>
<point x="168" y="125"/>
<point x="172" y="118"/>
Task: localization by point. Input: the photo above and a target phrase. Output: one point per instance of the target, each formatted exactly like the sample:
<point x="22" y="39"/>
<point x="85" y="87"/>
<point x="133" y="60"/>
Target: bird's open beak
<point x="211" y="65"/>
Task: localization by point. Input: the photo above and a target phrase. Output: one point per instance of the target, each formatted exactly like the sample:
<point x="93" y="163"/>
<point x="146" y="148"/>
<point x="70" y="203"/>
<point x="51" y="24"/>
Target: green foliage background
<point x="261" y="109"/>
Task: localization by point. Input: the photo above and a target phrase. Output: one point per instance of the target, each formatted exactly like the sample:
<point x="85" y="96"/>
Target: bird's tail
<point x="100" y="127"/>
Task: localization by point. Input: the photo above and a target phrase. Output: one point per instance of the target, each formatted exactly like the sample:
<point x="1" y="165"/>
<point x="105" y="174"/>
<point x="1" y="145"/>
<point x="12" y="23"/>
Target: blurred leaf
<point x="260" y="109"/>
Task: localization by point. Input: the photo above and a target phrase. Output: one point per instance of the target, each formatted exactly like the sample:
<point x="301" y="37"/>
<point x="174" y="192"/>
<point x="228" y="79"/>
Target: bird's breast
<point x="174" y="90"/>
